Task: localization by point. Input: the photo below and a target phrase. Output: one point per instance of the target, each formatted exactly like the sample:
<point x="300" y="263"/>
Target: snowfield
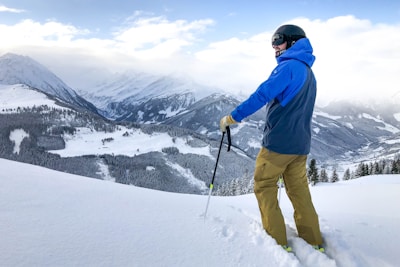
<point x="50" y="218"/>
<point x="17" y="96"/>
<point x="87" y="141"/>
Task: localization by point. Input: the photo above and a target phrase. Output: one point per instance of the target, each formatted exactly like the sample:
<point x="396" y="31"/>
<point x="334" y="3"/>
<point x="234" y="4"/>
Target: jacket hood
<point x="301" y="50"/>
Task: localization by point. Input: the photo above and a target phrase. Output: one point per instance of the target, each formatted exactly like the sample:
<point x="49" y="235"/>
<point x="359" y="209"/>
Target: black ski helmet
<point x="287" y="33"/>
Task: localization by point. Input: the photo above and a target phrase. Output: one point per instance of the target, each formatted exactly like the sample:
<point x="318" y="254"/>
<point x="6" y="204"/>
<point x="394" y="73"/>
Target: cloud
<point x="355" y="57"/>
<point x="157" y="37"/>
<point x="30" y="33"/>
<point x="11" y="10"/>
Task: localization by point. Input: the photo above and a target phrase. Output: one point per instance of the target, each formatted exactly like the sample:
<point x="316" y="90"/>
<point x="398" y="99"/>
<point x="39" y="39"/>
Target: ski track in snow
<point x="250" y="229"/>
<point x="304" y="254"/>
<point x="338" y="253"/>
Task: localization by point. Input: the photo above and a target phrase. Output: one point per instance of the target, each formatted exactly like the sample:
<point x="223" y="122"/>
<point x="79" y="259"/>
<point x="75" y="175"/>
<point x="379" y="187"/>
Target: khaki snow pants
<point x="269" y="166"/>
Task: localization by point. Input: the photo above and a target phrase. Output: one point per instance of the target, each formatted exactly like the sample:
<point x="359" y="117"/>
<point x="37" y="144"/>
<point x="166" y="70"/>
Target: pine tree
<point x="395" y="166"/>
<point x="346" y="175"/>
<point x="313" y="172"/>
<point x="335" y="176"/>
<point x="382" y="166"/>
<point x="362" y="170"/>
<point x="324" y="176"/>
<point x="377" y="170"/>
<point x="372" y="170"/>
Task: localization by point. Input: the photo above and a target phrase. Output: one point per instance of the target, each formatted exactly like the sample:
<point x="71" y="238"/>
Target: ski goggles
<point x="278" y="39"/>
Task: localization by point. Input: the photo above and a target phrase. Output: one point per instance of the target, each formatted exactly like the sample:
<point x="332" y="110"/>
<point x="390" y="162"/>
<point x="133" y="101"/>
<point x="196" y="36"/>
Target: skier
<point x="289" y="94"/>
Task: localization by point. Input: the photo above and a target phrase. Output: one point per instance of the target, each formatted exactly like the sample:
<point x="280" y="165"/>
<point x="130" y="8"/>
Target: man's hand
<point x="225" y="122"/>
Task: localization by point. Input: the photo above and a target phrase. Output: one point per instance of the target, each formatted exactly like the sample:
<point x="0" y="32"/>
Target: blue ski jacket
<point x="289" y="94"/>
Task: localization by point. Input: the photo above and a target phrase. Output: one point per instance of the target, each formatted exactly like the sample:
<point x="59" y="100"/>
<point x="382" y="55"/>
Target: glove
<point x="225" y="122"/>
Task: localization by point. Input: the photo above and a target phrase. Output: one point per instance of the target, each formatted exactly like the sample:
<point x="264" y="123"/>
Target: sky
<point x="219" y="43"/>
<point x="50" y="218"/>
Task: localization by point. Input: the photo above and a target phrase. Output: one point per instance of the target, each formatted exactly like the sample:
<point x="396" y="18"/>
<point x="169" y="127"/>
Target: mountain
<point x="342" y="132"/>
<point x="144" y="98"/>
<point x="203" y="117"/>
<point x="36" y="129"/>
<point x="376" y="120"/>
<point x="17" y="69"/>
<point x="357" y="131"/>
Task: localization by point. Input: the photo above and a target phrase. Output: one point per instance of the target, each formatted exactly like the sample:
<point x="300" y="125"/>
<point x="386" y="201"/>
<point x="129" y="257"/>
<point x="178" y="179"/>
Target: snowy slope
<point x="88" y="142"/>
<point x="141" y="87"/>
<point x="50" y="218"/>
<point x="17" y="69"/>
<point x="21" y="96"/>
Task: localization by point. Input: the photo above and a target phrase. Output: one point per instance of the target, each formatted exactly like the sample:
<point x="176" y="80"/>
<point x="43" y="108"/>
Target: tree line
<point x="245" y="185"/>
<point x="46" y="126"/>
<point x="382" y="166"/>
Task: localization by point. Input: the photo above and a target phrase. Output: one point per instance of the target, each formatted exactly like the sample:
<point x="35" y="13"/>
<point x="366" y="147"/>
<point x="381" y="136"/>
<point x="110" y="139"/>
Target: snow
<point x="17" y="136"/>
<point x="397" y="116"/>
<point x="141" y="87"/>
<point x="253" y="143"/>
<point x="169" y="113"/>
<point x="392" y="142"/>
<point x="349" y="125"/>
<point x="87" y="141"/>
<point x="319" y="124"/>
<point x="387" y="127"/>
<point x="188" y="175"/>
<point x="324" y="114"/>
<point x="104" y="172"/>
<point x="14" y="96"/>
<point x="16" y="69"/>
<point x="50" y="218"/>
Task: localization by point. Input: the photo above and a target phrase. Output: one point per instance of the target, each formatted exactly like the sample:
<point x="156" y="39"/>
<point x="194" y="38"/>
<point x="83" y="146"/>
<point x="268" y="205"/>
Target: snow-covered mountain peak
<point x="121" y="85"/>
<point x="17" y="69"/>
<point x="142" y="86"/>
<point x="13" y="97"/>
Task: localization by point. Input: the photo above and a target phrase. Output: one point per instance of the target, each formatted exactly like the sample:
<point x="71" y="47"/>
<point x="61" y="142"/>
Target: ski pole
<point x="215" y="168"/>
<point x="280" y="182"/>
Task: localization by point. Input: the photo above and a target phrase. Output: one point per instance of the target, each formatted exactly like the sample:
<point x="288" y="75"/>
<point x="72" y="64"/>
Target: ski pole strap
<point x="228" y="133"/>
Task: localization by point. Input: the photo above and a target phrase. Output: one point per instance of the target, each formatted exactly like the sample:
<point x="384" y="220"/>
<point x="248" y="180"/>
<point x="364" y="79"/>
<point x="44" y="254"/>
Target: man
<point x="290" y="94"/>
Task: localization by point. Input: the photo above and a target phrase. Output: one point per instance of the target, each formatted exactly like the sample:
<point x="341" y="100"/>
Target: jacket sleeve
<point x="267" y="91"/>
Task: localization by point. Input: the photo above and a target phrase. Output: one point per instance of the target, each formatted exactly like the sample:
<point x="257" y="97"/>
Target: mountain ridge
<point x="341" y="132"/>
<point x="18" y="69"/>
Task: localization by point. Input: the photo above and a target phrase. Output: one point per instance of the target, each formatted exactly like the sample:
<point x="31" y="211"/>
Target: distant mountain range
<point x="343" y="132"/>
